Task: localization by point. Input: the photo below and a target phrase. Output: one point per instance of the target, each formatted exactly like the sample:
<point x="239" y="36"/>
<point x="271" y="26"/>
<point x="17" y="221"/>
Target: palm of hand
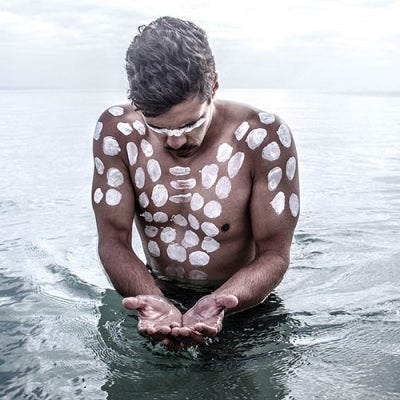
<point x="157" y="317"/>
<point x="206" y="316"/>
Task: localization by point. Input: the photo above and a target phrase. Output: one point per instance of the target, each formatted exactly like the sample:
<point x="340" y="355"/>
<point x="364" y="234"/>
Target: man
<point x="212" y="186"/>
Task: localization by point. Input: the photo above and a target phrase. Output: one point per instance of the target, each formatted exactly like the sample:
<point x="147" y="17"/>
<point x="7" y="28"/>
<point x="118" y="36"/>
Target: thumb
<point x="133" y="303"/>
<point x="227" y="301"/>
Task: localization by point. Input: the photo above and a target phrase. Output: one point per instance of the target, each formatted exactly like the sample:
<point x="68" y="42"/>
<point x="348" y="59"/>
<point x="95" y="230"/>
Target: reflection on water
<point x="331" y="331"/>
<point x="251" y="357"/>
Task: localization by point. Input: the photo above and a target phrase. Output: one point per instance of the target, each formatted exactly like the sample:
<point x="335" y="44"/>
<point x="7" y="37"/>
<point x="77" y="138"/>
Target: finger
<point x="206" y="330"/>
<point x="180" y="331"/>
<point x="188" y="337"/>
<point x="154" y="330"/>
<point x="227" y="301"/>
<point x="133" y="303"/>
<point x="172" y="343"/>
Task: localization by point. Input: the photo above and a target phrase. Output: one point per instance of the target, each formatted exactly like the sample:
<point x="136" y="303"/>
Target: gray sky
<point x="328" y="45"/>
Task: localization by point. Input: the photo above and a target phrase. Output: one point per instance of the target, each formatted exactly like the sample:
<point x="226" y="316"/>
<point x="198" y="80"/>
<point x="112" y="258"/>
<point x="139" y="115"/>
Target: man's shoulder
<point x="252" y="125"/>
<point x="254" y="116"/>
<point x="120" y="120"/>
<point x="118" y="113"/>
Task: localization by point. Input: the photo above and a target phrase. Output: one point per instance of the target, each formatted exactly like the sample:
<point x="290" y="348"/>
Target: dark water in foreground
<point x="331" y="331"/>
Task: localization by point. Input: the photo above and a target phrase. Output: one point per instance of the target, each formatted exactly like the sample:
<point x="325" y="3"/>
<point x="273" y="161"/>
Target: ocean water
<point x="330" y="331"/>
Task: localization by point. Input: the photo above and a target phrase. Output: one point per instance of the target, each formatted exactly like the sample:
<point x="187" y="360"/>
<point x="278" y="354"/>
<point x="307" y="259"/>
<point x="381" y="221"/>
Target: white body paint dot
<point x="154" y="170"/>
<point x="110" y="146"/>
<point x="176" y="252"/>
<point x="274" y="178"/>
<point x="271" y="152"/>
<point x="256" y="137"/>
<point x="199" y="258"/>
<point x="113" y="197"/>
<point x="284" y="135"/>
<point x="144" y="200"/>
<point x="278" y="203"/>
<point x="147" y="216"/>
<point x="139" y="178"/>
<point x="124" y="128"/>
<point x="242" y="130"/>
<point x="209" y="229"/>
<point x="179" y="171"/>
<point x="266" y="118"/>
<point x="179" y="220"/>
<point x="168" y="235"/>
<point x="294" y="204"/>
<point x="234" y="164"/>
<point x="99" y="165"/>
<point x="193" y="222"/>
<point x="146" y="147"/>
<point x="291" y="168"/>
<point x="209" y="175"/>
<point x="159" y="195"/>
<point x="190" y="240"/>
<point x="97" y="130"/>
<point x="114" y="177"/>
<point x="223" y="187"/>
<point x="132" y="151"/>
<point x="150" y="231"/>
<point x="197" y="275"/>
<point x="224" y="152"/>
<point x="139" y="126"/>
<point x="160" y="217"/>
<point x="154" y="250"/>
<point x="209" y="244"/>
<point x="98" y="195"/>
<point x="213" y="209"/>
<point x="116" y="111"/>
<point x="196" y="202"/>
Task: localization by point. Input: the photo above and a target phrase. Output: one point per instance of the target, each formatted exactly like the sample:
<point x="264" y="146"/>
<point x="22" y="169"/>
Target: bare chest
<point x="189" y="213"/>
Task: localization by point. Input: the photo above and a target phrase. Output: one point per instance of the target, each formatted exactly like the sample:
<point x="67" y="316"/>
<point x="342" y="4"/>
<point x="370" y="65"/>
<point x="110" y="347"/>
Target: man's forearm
<point x="127" y="273"/>
<point x="253" y="283"/>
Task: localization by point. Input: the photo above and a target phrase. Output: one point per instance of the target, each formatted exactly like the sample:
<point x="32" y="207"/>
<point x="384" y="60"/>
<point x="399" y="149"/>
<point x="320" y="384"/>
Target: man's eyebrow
<point x="180" y="127"/>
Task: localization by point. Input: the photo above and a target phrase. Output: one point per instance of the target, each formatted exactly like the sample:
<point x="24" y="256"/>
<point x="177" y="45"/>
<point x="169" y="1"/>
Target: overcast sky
<point x="328" y="45"/>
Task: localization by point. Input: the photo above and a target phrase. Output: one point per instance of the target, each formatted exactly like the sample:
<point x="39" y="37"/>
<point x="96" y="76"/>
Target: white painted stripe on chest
<point x="179" y="171"/>
<point x="184" y="183"/>
<point x="181" y="198"/>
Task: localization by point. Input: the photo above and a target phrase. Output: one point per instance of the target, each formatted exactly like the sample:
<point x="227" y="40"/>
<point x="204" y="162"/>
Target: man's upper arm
<point x="112" y="193"/>
<point x="274" y="204"/>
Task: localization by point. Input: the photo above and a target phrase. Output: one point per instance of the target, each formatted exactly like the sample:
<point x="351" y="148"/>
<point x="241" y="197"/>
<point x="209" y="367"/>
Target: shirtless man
<point x="212" y="186"/>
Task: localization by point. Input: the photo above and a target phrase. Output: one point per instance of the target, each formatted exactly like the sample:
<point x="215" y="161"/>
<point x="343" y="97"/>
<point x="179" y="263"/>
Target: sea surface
<point x="330" y="331"/>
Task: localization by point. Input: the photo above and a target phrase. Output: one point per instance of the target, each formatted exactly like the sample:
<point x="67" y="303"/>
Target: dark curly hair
<point x="168" y="62"/>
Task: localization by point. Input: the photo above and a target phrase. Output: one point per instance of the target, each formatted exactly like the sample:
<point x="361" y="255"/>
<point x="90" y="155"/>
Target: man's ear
<point x="216" y="85"/>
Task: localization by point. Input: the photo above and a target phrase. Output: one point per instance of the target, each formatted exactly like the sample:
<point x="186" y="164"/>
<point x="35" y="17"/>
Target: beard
<point x="184" y="151"/>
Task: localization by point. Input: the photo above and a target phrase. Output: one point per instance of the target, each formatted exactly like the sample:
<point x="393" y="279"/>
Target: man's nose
<point x="176" y="142"/>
